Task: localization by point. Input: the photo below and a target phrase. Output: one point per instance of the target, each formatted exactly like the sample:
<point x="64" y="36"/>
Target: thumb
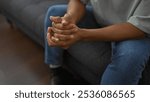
<point x="66" y="19"/>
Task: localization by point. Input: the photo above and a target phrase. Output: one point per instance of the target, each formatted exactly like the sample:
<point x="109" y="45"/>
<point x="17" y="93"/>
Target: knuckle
<point x="60" y="31"/>
<point x="53" y="24"/>
<point x="72" y="36"/>
<point x="64" y="44"/>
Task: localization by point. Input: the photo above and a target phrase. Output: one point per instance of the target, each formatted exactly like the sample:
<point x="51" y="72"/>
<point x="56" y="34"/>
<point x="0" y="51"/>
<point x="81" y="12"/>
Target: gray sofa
<point x="28" y="15"/>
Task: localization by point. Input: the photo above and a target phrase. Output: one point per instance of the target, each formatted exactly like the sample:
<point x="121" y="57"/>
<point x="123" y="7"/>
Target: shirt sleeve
<point x="141" y="17"/>
<point x="84" y="1"/>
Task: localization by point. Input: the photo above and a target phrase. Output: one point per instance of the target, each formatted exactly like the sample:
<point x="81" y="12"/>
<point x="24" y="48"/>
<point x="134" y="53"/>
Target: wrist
<point x="82" y="34"/>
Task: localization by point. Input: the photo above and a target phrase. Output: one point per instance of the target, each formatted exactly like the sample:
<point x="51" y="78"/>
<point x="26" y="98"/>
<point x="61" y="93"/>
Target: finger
<point x="62" y="44"/>
<point x="49" y="30"/>
<point x="66" y="19"/>
<point x="55" y="39"/>
<point x="57" y="43"/>
<point x="65" y="22"/>
<point x="65" y="32"/>
<point x="56" y="19"/>
<point x="64" y="37"/>
<point x="49" y="41"/>
<point x="62" y="27"/>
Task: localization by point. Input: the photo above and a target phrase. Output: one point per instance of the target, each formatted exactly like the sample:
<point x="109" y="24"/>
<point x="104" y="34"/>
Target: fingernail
<point x="48" y="33"/>
<point x="49" y="28"/>
<point x="51" y="17"/>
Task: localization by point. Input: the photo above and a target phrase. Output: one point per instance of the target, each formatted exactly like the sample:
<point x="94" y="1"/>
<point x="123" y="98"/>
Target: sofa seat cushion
<point x="89" y="59"/>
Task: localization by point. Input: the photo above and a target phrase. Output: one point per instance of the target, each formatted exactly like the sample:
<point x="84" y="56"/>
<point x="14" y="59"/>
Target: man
<point x="126" y="23"/>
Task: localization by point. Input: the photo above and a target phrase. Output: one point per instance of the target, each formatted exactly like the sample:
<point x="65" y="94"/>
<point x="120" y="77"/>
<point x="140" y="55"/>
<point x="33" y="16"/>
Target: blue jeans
<point x="128" y="57"/>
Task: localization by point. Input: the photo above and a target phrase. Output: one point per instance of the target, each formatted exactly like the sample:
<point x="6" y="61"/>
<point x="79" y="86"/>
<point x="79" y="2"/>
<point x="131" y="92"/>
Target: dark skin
<point x="66" y="33"/>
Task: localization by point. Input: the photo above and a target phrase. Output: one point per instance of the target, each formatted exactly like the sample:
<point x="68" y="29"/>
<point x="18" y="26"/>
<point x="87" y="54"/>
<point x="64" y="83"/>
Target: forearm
<point x="115" y="32"/>
<point x="76" y="10"/>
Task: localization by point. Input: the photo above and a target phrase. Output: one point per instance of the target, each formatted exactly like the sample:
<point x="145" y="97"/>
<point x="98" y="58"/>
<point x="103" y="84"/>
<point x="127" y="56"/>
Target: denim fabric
<point x="53" y="55"/>
<point x="128" y="62"/>
<point x="128" y="57"/>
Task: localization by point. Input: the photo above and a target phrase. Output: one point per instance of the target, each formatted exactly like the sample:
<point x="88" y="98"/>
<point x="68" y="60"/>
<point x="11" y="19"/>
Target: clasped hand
<point x="63" y="32"/>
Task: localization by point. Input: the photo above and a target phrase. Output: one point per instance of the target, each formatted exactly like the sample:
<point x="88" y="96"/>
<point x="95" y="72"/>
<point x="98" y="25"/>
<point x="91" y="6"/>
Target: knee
<point x="56" y="10"/>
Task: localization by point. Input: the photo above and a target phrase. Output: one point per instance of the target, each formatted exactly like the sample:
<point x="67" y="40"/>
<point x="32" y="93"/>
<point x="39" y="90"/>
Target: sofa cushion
<point x="89" y="59"/>
<point x="29" y="14"/>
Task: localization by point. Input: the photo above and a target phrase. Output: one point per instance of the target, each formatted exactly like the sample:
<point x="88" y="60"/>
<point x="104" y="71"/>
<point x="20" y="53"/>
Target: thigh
<point x="131" y="55"/>
<point x="128" y="61"/>
<point x="136" y="48"/>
